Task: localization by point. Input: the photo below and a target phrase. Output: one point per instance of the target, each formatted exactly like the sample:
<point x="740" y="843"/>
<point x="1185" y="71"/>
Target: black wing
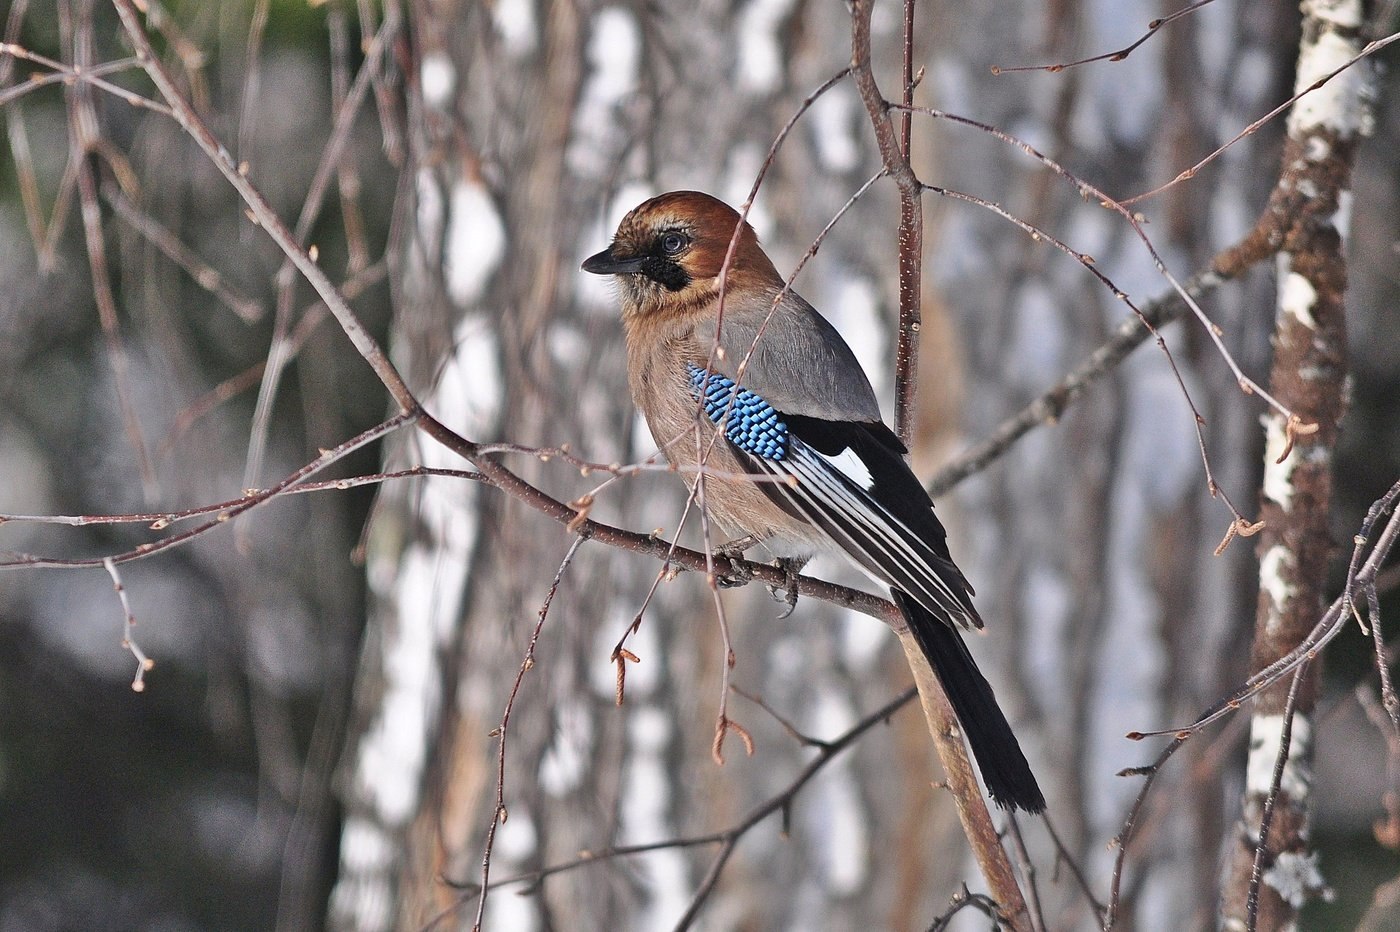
<point x="851" y="481"/>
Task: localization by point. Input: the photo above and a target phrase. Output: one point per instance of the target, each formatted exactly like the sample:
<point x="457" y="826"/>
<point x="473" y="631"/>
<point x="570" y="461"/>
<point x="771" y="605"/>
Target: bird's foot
<point x="790" y="566"/>
<point x="733" y="554"/>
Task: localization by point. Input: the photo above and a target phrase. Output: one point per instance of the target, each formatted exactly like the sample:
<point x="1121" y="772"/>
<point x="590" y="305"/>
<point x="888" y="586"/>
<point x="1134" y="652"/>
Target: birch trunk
<point x="1309" y="212"/>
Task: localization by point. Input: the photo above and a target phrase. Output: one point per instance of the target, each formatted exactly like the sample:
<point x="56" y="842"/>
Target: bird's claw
<point x="733" y="553"/>
<point x="738" y="574"/>
<point x="788" y="591"/>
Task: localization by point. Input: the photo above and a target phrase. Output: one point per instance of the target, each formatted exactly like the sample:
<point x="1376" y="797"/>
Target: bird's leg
<point x="790" y="566"/>
<point x="732" y="553"/>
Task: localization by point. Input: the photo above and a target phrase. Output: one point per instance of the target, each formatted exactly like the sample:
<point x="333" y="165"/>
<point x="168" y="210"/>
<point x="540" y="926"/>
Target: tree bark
<point x="1307" y="215"/>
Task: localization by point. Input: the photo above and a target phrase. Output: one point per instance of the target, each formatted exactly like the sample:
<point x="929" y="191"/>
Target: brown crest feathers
<point x="710" y="223"/>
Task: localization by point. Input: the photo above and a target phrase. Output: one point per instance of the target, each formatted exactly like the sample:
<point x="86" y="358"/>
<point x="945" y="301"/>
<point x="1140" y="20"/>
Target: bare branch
<point x="499" y="816"/>
<point x="143" y="663"/>
<point x="1119" y="55"/>
<point x="828" y="751"/>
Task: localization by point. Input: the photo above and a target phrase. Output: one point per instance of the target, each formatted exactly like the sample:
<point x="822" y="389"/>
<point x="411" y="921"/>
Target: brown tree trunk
<point x="1307" y="216"/>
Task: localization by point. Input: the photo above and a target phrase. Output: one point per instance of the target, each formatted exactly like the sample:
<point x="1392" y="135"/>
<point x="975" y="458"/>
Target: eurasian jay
<point x="798" y="415"/>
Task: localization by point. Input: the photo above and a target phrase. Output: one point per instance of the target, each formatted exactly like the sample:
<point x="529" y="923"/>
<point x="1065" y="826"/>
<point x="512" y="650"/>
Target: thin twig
<point x="1256" y="874"/>
<point x="1370" y="49"/>
<point x="1063" y="856"/>
<point x="260" y="210"/>
<point x="83" y="139"/>
<point x="281" y="352"/>
<point x="307" y="323"/>
<point x="1135" y="221"/>
<point x="143" y="663"/>
<point x="161" y="520"/>
<point x="911" y="223"/>
<point x="89" y="74"/>
<point x="500" y="814"/>
<point x="1240" y="525"/>
<point x="64" y="76"/>
<point x="1327" y="628"/>
<point x="1119" y="55"/>
<point x="829" y="750"/>
<point x="174" y="249"/>
<point x="253" y="499"/>
<point x="938" y="713"/>
<point x="723" y="724"/>
<point x="1034" y="911"/>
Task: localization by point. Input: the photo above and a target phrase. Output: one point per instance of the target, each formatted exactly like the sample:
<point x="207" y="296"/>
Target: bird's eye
<point x="672" y="243"/>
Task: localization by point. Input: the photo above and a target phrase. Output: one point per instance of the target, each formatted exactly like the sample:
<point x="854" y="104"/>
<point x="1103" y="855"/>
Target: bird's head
<point x="668" y="252"/>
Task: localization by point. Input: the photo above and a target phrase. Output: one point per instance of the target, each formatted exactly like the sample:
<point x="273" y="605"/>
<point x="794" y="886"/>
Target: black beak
<point x="605" y="263"/>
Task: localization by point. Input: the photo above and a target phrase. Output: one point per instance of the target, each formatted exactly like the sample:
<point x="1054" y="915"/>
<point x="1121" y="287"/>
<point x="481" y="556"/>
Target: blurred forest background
<point x="313" y="746"/>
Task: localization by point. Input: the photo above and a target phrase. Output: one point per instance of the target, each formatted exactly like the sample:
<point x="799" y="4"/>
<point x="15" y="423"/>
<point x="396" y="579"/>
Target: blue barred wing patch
<point x="750" y="423"/>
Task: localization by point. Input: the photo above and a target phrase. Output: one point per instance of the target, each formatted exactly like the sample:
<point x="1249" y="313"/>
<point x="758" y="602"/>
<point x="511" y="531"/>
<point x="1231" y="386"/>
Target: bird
<point x="803" y="461"/>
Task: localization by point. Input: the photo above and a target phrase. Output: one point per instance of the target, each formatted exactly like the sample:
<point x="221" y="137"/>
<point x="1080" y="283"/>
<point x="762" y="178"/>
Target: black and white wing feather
<point x="848" y="478"/>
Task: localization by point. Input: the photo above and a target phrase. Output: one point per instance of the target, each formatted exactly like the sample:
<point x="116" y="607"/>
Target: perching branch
<point x="942" y="722"/>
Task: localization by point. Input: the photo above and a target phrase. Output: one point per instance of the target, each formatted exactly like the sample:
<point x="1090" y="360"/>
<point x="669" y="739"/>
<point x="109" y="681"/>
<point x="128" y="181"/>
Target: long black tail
<point x="1009" y="780"/>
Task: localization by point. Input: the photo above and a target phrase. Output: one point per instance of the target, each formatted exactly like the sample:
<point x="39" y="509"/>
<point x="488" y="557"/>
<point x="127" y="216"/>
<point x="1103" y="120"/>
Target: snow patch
<point x="1265" y="738"/>
<point x="1342" y="218"/>
<point x="439" y="79"/>
<point x="1343" y="13"/>
<point x="1161" y="449"/>
<point x="844" y="852"/>
<point x="644" y="816"/>
<point x="392" y="753"/>
<point x="1273" y="566"/>
<point x="1232" y="216"/>
<point x="516" y="913"/>
<point x="425" y="588"/>
<point x="430" y="207"/>
<point x="476" y="242"/>
<point x="1278" y="477"/>
<point x="643" y="677"/>
<point x="745" y="162"/>
<point x="628" y="196"/>
<point x="1216" y="40"/>
<point x="834" y="818"/>
<point x="613" y="56"/>
<point x="1297" y="297"/>
<point x="516" y="838"/>
<point x="1112" y="110"/>
<point x="1296" y="876"/>
<point x="760" y="54"/>
<point x="1038" y="342"/>
<point x="363" y="902"/>
<point x="832" y="123"/>
<point x="861" y="639"/>
<point x="567" y="346"/>
<point x="1132" y="644"/>
<point x="364" y="846"/>
<point x="855" y="312"/>
<point x="516" y="25"/>
<point x="1337" y="105"/>
<point x="600" y="291"/>
<point x="565" y="761"/>
<point x="1251" y="81"/>
<point x="614" y="50"/>
<point x="1045" y="605"/>
<point x="468" y="394"/>
<point x="832" y="715"/>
